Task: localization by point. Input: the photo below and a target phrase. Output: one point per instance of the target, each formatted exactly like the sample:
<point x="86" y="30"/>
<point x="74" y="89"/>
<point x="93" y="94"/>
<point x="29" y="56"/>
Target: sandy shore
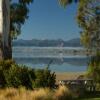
<point x="68" y="75"/>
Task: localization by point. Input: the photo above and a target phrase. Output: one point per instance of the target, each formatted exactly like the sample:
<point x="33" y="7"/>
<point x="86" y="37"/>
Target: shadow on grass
<point x="90" y="95"/>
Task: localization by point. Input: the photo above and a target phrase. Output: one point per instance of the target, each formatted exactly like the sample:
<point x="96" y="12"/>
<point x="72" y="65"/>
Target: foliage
<point x="44" y="78"/>
<point x="61" y="93"/>
<point x="18" y="15"/>
<point x="88" y="19"/>
<point x="64" y="3"/>
<point x="94" y="68"/>
<point x="14" y="75"/>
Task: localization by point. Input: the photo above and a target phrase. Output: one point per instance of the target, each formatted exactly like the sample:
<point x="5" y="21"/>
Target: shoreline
<point x="68" y="75"/>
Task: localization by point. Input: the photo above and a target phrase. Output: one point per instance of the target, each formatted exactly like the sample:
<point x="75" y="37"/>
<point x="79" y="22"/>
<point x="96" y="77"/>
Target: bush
<point x="14" y="75"/>
<point x="94" y="69"/>
<point x="44" y="78"/>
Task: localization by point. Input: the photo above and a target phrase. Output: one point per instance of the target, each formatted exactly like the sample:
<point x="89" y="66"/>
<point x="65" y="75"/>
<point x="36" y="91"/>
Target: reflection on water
<point x="55" y="61"/>
<point x="37" y="58"/>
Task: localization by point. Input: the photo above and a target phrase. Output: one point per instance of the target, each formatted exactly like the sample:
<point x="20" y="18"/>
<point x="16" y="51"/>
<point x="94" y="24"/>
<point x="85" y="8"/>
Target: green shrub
<point x="14" y="75"/>
<point x="44" y="78"/>
<point x="94" y="69"/>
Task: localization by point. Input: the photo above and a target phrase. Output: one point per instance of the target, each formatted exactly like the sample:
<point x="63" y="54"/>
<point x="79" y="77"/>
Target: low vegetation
<point x="62" y="93"/>
<point x="14" y="75"/>
<point x="94" y="69"/>
<point x="19" y="82"/>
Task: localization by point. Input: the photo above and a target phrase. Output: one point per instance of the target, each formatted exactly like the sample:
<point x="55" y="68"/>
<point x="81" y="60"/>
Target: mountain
<point x="47" y="43"/>
<point x="74" y="42"/>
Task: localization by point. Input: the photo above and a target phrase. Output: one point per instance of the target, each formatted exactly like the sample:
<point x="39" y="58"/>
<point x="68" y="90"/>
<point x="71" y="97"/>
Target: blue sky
<point x="48" y="20"/>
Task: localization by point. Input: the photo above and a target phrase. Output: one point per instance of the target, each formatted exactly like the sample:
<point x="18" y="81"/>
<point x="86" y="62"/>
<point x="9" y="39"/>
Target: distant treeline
<point x="48" y="43"/>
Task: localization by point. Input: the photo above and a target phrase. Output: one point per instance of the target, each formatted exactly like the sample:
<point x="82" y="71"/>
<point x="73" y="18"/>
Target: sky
<point x="48" y="20"/>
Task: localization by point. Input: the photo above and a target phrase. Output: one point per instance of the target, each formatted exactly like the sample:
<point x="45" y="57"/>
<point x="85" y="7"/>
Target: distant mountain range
<point x="48" y="43"/>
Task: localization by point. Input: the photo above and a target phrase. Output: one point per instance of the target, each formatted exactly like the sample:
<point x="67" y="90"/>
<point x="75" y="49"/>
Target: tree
<point x="67" y="2"/>
<point x="88" y="18"/>
<point x="18" y="14"/>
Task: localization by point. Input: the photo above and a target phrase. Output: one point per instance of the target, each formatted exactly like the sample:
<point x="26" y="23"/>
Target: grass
<point x="90" y="99"/>
<point x="62" y="93"/>
<point x="92" y="96"/>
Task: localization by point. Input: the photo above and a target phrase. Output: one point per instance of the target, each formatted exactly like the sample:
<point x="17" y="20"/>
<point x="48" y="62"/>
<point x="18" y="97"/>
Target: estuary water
<point x="59" y="59"/>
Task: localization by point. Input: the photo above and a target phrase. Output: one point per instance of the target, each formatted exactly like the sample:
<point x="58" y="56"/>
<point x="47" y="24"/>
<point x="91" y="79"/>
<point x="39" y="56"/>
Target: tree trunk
<point x="7" y="51"/>
<point x="5" y="40"/>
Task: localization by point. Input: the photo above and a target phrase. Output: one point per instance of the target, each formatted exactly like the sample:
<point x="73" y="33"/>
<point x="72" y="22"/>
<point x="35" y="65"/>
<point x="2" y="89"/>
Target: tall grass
<point x="62" y="93"/>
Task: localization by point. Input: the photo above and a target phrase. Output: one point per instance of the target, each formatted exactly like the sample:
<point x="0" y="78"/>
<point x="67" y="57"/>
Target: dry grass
<point x="63" y="93"/>
<point x="41" y="94"/>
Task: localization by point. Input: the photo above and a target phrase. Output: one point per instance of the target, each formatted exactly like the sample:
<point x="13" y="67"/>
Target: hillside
<point x="48" y="43"/>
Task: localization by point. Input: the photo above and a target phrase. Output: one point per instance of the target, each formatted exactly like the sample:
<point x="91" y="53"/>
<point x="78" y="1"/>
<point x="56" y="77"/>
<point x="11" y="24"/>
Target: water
<point x="58" y="59"/>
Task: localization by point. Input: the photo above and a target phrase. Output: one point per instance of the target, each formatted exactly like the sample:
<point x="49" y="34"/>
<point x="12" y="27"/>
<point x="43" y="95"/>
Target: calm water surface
<point x="59" y="59"/>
